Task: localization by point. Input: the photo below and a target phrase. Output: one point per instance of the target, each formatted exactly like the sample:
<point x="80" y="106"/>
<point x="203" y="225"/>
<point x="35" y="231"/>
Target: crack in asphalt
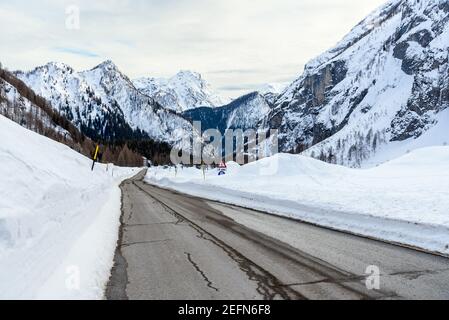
<point x="197" y="268"/>
<point x="410" y="275"/>
<point x="328" y="280"/>
<point x="179" y="219"/>
<point x="131" y="213"/>
<point x="125" y="245"/>
<point x="413" y="275"/>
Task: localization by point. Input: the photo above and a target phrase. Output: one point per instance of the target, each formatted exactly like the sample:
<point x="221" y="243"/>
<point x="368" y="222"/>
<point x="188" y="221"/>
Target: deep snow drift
<point x="405" y="200"/>
<point x="58" y="220"/>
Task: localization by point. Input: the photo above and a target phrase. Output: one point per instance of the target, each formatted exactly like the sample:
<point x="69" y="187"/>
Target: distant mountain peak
<point x="51" y="66"/>
<point x="107" y="64"/>
<point x="58" y="65"/>
<point x="184" y="91"/>
<point x="189" y="74"/>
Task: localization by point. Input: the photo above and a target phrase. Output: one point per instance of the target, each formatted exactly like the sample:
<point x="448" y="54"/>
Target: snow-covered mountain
<point x="184" y="91"/>
<point x="244" y="113"/>
<point x="386" y="83"/>
<point x="104" y="103"/>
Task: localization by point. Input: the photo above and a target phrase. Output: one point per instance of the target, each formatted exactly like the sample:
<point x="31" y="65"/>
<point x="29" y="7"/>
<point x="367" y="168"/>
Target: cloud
<point x="79" y="52"/>
<point x="232" y="42"/>
<point x="247" y="87"/>
<point x="236" y="71"/>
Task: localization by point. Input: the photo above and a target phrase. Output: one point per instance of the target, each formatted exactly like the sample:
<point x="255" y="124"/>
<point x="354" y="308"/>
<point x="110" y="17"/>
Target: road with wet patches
<point x="174" y="246"/>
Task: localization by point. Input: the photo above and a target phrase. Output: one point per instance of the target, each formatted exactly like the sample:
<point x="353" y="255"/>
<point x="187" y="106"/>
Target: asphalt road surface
<point x="174" y="246"/>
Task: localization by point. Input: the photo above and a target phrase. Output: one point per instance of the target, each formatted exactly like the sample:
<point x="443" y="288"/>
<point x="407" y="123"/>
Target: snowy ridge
<point x="184" y="91"/>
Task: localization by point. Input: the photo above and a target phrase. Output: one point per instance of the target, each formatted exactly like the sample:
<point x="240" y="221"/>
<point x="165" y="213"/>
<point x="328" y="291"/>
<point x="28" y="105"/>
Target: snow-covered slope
<point x="243" y="113"/>
<point x="386" y="81"/>
<point x="57" y="218"/>
<point x="184" y="91"/>
<point x="249" y="112"/>
<point x="405" y="200"/>
<point x="18" y="108"/>
<point x="104" y="103"/>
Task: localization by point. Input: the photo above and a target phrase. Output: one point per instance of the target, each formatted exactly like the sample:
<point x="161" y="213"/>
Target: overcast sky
<point x="237" y="45"/>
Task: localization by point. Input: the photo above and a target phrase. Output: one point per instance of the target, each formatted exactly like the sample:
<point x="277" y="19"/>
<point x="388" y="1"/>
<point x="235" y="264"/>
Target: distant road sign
<point x="222" y="168"/>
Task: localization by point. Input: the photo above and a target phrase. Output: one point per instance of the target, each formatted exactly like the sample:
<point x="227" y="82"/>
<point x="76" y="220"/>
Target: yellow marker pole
<point x="95" y="156"/>
<point x="96" y="152"/>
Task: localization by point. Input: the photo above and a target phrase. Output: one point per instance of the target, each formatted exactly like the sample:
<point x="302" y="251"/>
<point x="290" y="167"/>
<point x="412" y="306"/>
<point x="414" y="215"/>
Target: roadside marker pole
<point x="95" y="156"/>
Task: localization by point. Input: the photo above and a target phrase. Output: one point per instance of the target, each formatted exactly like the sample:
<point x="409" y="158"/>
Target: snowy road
<point x="174" y="246"/>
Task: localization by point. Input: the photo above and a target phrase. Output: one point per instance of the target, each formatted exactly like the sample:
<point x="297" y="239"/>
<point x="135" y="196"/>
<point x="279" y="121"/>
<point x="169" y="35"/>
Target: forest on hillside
<point x="35" y="113"/>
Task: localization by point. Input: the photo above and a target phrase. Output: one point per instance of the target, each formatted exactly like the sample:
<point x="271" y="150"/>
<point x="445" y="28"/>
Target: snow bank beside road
<point x="405" y="200"/>
<point x="58" y="220"/>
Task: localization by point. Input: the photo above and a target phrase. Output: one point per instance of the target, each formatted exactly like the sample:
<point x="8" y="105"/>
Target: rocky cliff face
<point x="386" y="81"/>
